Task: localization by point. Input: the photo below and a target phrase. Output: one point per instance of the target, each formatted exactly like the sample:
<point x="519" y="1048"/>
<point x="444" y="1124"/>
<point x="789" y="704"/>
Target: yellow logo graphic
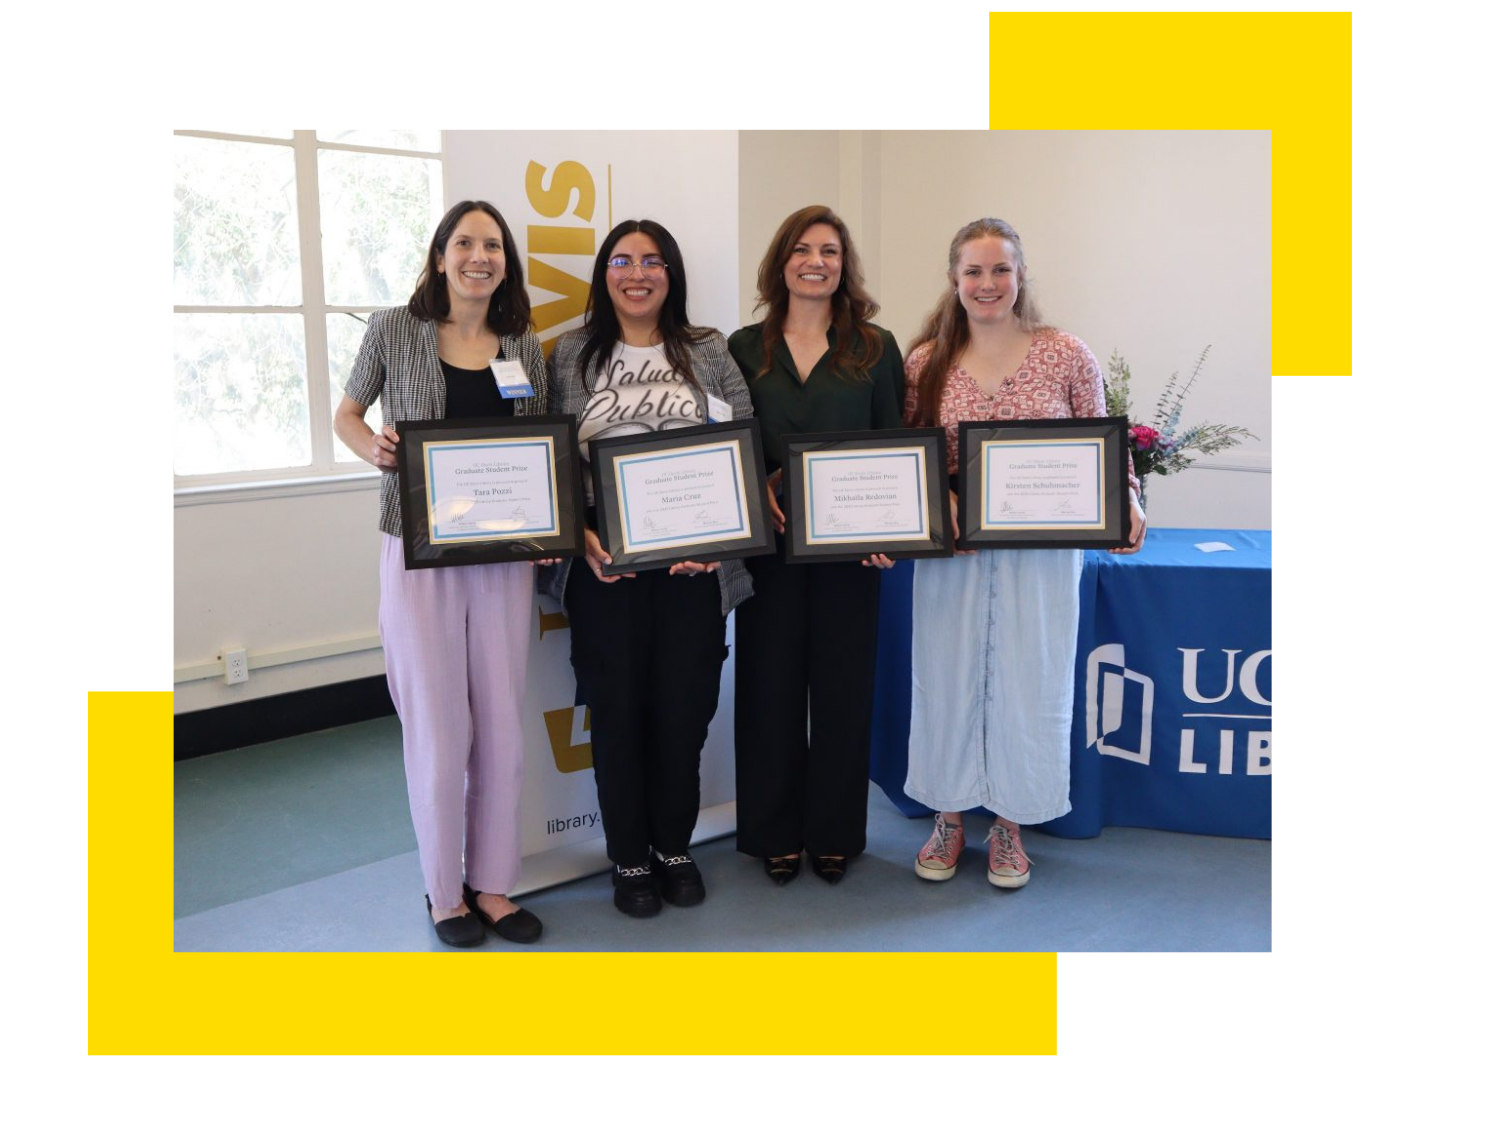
<point x="546" y="622"/>
<point x="567" y="731"/>
<point x="551" y="201"/>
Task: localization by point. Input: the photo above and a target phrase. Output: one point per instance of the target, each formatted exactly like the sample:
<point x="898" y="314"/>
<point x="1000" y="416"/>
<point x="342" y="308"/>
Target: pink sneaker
<point x="1009" y="864"/>
<point x="939" y="856"/>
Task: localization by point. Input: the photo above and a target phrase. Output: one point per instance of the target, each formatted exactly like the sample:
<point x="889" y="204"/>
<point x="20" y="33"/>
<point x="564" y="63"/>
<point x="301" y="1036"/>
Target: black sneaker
<point x="679" y="878"/>
<point x="635" y="892"/>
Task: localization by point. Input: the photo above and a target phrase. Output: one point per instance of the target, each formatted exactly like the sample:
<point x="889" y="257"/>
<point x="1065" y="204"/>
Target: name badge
<point x="718" y="409"/>
<point x="510" y="378"/>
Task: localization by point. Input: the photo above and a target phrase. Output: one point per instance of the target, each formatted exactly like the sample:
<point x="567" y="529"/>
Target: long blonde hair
<point x="947" y="325"/>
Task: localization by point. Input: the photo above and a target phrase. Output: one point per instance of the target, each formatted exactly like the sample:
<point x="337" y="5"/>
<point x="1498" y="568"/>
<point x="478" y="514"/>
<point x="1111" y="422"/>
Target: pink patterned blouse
<point x="1059" y="378"/>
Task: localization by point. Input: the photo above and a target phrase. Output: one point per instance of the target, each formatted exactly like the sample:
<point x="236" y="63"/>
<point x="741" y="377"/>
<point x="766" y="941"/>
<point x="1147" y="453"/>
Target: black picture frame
<point x="981" y="524"/>
<point x="918" y="451"/>
<point x="550" y="444"/>
<point x="619" y="465"/>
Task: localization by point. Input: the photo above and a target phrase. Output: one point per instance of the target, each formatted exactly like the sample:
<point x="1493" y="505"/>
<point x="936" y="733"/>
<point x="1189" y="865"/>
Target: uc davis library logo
<point x="546" y="622"/>
<point x="568" y="733"/>
<point x="560" y="253"/>
<point x="567" y="727"/>
<point x="1120" y="706"/>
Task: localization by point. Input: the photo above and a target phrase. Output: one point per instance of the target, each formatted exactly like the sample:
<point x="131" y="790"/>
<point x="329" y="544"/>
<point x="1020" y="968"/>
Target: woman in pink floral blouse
<point x="994" y="632"/>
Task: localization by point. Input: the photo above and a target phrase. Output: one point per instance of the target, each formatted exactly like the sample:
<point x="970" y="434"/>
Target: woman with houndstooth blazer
<point x="455" y="637"/>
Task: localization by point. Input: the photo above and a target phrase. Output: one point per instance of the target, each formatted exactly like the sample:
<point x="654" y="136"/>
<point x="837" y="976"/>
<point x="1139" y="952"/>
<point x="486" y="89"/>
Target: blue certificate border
<point x="920" y="531"/>
<point x="739" y="530"/>
<point x="549" y="528"/>
<point x="1098" y="520"/>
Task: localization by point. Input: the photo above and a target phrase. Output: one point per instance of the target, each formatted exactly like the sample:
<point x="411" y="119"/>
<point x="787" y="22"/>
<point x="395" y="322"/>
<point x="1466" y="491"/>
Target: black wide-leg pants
<point x="804" y="686"/>
<point x="648" y="652"/>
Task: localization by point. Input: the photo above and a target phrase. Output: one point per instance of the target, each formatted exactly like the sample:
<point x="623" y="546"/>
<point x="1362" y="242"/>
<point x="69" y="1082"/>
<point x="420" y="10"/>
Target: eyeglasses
<point x="651" y="267"/>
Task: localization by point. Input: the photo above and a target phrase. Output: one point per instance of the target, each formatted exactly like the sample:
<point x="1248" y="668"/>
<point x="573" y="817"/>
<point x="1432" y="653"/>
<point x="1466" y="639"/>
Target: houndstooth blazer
<point x="716" y="372"/>
<point x="398" y="364"/>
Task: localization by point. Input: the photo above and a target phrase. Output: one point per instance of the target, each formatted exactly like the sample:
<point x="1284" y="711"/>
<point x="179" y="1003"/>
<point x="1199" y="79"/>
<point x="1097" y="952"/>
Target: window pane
<point x="236" y="224"/>
<point x="241" y="392"/>
<point x="344" y="335"/>
<point x="423" y="140"/>
<point x="378" y="214"/>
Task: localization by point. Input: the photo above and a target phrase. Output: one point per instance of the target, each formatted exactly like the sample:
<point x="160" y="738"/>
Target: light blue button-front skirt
<point x="994" y="637"/>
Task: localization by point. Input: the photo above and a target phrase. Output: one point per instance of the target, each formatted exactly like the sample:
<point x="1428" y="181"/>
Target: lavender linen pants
<point x="455" y="656"/>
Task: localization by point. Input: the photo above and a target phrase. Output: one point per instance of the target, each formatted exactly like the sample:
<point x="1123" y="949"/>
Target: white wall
<point x="780" y="172"/>
<point x="276" y="576"/>
<point x="1152" y="243"/>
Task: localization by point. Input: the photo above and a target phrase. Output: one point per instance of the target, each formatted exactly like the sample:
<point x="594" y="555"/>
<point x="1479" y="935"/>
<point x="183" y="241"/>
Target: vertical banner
<point x="561" y="193"/>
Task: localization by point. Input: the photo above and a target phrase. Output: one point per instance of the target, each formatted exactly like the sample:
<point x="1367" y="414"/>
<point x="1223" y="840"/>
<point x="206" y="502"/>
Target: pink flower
<point x="1143" y="437"/>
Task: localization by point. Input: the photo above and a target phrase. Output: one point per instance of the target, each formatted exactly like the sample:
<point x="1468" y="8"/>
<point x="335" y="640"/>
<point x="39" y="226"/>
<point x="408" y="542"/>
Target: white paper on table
<point x="681" y="498"/>
<point x="864" y="495"/>
<point x="498" y="488"/>
<point x="1210" y="548"/>
<point x="1042" y="484"/>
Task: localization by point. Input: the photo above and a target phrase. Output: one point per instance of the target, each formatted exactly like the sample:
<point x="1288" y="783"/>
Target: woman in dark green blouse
<point x="805" y="644"/>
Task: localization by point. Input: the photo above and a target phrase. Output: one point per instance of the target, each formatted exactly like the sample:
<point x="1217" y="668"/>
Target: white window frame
<point x="324" y="474"/>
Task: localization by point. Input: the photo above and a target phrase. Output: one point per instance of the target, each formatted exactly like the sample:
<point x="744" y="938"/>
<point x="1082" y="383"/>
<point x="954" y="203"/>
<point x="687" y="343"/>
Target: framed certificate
<point x="855" y="494"/>
<point x="483" y="490"/>
<point x="1046" y="482"/>
<point x="695" y="492"/>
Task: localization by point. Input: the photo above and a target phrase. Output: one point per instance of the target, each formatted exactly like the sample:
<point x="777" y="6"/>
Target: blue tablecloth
<point x="1172" y="695"/>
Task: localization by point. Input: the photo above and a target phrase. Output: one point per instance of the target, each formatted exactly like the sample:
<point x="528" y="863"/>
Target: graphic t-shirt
<point x="637" y="393"/>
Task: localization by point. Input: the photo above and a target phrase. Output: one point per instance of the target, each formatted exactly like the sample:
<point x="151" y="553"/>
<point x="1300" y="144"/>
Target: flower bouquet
<point x="1158" y="447"/>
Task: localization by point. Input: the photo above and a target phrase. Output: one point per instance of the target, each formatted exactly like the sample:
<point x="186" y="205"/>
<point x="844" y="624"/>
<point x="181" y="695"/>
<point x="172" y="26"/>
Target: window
<point x="283" y="244"/>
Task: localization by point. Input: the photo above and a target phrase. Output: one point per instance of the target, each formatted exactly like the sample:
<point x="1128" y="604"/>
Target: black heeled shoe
<point x="520" y="926"/>
<point x="783" y="869"/>
<point x="830" y="868"/>
<point x="465" y="930"/>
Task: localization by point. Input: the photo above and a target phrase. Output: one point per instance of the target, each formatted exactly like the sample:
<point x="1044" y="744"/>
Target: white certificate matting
<point x="497" y="488"/>
<point x="681" y="498"/>
<point x="853" y="497"/>
<point x="1042" y="484"/>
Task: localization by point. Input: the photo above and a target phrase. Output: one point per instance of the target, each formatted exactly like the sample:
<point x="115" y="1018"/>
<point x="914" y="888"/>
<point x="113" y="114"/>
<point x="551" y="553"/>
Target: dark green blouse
<point x="785" y="405"/>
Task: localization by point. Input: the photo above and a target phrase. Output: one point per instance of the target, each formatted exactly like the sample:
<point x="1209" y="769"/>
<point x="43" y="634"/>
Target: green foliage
<point x="1157" y="446"/>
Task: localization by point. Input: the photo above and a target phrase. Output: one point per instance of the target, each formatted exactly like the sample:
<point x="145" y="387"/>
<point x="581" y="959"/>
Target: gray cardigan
<point x="717" y="373"/>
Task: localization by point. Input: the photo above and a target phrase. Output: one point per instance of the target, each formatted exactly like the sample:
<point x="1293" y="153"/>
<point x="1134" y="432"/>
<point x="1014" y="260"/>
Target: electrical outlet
<point x="236" y="665"/>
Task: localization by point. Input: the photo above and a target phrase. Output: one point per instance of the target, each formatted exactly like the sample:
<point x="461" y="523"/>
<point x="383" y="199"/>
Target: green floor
<point x="266" y="817"/>
<point x="306" y="844"/>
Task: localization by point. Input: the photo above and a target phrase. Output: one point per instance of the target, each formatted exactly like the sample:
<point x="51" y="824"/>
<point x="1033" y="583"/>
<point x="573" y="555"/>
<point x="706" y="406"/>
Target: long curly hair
<point x="857" y="346"/>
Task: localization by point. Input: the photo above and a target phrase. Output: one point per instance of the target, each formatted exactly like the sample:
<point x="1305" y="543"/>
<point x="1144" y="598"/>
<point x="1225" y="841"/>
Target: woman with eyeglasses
<point x="454" y="637"/>
<point x="648" y="648"/>
<point x="805" y="644"/>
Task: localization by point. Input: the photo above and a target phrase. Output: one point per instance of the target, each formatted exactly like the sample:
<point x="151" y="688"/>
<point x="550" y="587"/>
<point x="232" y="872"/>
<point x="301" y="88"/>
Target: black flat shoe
<point x="465" y="930"/>
<point x="783" y="869"/>
<point x="829" y="868"/>
<point x="520" y="926"/>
